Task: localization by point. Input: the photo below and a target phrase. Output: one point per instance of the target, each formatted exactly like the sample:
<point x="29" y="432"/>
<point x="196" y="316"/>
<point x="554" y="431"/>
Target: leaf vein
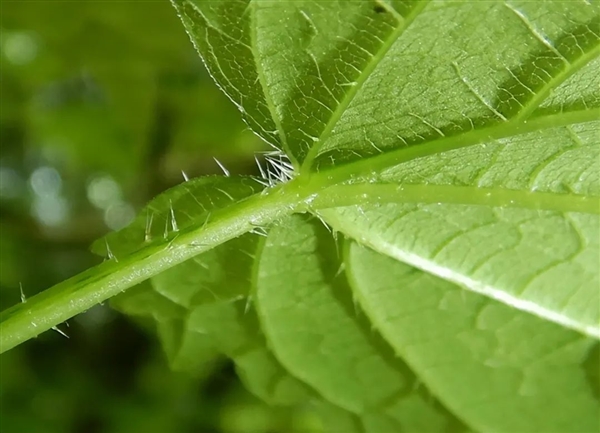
<point x="360" y="81"/>
<point x="253" y="5"/>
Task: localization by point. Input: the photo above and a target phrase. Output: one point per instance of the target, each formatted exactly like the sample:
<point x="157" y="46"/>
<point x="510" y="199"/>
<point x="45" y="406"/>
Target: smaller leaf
<point x="202" y="305"/>
<point x="220" y="274"/>
<point x="315" y="330"/>
<point x="188" y="204"/>
<point x="233" y="328"/>
<point x="186" y="351"/>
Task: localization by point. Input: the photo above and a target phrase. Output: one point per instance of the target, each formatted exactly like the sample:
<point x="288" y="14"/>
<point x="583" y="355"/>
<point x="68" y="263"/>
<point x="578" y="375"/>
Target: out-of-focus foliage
<point x="103" y="105"/>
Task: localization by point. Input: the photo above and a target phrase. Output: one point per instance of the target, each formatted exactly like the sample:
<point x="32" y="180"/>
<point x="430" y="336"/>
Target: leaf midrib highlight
<point x="252" y="6"/>
<point x="364" y="168"/>
<point x="369" y="193"/>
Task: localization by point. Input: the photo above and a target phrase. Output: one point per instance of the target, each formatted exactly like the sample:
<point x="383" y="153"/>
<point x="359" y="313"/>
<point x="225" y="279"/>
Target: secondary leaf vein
<point x="360" y="81"/>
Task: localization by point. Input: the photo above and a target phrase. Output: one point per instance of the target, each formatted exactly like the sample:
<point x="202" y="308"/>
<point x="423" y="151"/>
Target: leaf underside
<point x="462" y="293"/>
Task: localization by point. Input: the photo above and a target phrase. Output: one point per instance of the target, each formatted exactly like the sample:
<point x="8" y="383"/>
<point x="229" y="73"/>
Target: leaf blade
<point x="463" y="347"/>
<point x="464" y="83"/>
<point x="525" y="275"/>
<point x="202" y="306"/>
<point x="544" y="171"/>
<point x="307" y="315"/>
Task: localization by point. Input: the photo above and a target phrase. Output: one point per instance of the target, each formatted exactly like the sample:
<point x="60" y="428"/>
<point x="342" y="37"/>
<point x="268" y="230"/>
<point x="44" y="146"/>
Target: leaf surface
<point x="459" y="138"/>
<point x="463" y="68"/>
<point x="202" y="306"/>
<point x="535" y="243"/>
<point x="498" y="368"/>
<point x="324" y="51"/>
<point x="318" y="334"/>
<point x="332" y="82"/>
<point x="488" y="104"/>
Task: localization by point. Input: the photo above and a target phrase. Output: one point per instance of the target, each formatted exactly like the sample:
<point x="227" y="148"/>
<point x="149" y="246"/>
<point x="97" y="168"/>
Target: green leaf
<point x="474" y="117"/>
<point x="307" y="313"/>
<point x="345" y="80"/>
<point x="234" y="329"/>
<point x="324" y="51"/>
<point x="541" y="255"/>
<point x="190" y="352"/>
<point x="219" y="275"/>
<point x="176" y="210"/>
<point x="441" y="82"/>
<point x="203" y="305"/>
<point x="496" y="367"/>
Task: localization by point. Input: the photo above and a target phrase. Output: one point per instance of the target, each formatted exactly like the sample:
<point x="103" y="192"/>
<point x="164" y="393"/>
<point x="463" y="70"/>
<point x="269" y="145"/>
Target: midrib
<point x="365" y="168"/>
<point x="366" y="193"/>
<point x="252" y="6"/>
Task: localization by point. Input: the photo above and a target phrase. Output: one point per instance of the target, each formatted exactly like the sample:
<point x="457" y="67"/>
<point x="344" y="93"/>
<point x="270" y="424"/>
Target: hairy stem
<point x="81" y="292"/>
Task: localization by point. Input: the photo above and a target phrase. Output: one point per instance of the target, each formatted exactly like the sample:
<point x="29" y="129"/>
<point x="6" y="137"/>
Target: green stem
<point x="81" y="292"/>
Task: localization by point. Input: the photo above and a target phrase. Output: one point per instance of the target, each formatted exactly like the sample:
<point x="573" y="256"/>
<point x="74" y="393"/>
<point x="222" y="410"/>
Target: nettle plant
<point x="421" y="253"/>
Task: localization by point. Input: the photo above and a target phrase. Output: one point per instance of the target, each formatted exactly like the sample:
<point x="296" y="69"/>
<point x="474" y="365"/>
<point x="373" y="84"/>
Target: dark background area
<point x="103" y="105"/>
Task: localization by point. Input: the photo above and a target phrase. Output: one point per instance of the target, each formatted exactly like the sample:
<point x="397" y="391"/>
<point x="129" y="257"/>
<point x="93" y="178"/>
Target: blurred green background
<point x="103" y="104"/>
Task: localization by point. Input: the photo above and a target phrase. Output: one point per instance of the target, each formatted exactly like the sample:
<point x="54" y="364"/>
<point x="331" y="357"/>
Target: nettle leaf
<point x="498" y="368"/>
<point x="318" y="334"/>
<point x="475" y="122"/>
<point x="457" y="138"/>
<point x="319" y="49"/>
<point x="380" y="86"/>
<point x="188" y="352"/>
<point x="207" y="298"/>
<point x="331" y="82"/>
